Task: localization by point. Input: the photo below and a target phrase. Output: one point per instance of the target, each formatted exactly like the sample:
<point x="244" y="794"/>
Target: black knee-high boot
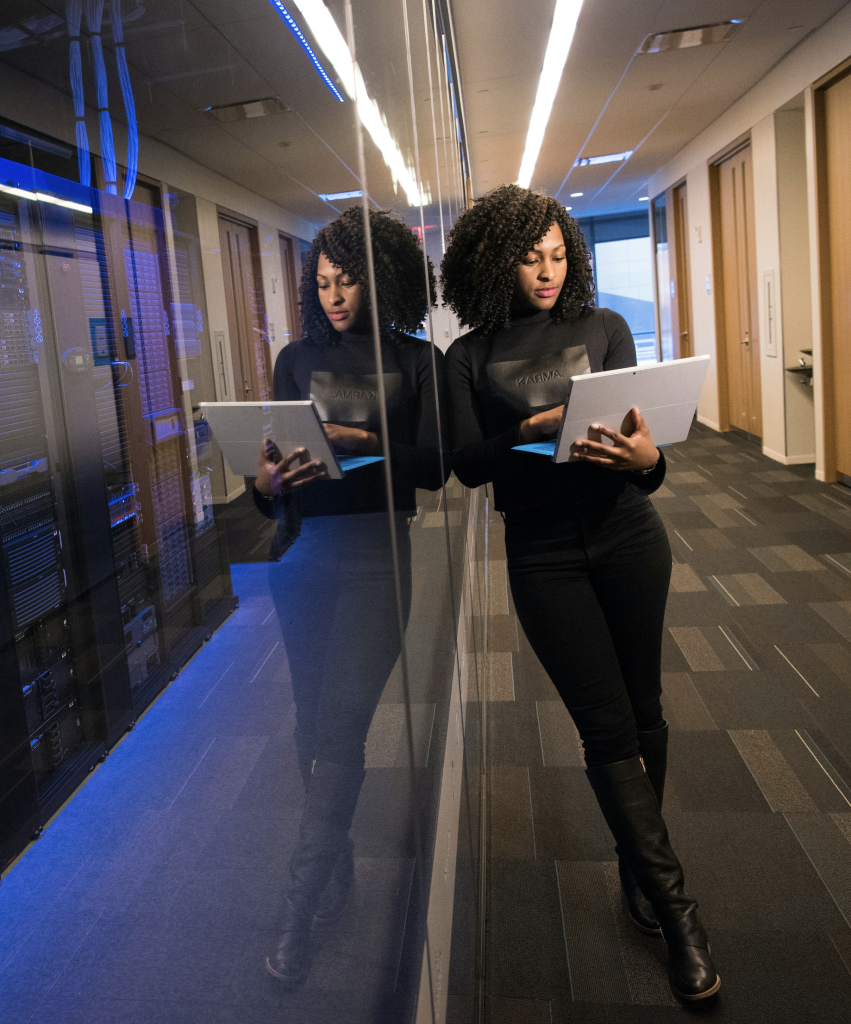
<point x="332" y="797"/>
<point x="631" y="810"/>
<point x="653" y="747"/>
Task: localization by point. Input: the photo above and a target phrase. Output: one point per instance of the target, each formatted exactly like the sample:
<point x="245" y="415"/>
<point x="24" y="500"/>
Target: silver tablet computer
<point x="240" y="427"/>
<point x="665" y="393"/>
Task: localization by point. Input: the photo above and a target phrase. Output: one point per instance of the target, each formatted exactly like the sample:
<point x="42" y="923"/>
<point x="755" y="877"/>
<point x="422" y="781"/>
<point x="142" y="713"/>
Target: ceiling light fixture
<point x="609" y="158"/>
<point x="644" y="199"/>
<point x="565" y="17"/>
<point x="333" y="197"/>
<point x="576" y="195"/>
<point x="42" y="197"/>
<point x="684" y="38"/>
<point x="292" y="25"/>
<point x="247" y="110"/>
<point x="334" y="46"/>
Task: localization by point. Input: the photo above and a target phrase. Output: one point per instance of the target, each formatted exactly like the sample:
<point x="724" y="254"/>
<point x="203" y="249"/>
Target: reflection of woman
<point x="336" y="596"/>
<point x="588" y="558"/>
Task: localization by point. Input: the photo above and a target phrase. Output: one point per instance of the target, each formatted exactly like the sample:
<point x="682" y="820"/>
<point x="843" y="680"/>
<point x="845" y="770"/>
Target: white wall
<point x="764" y="155"/>
<point x="703" y="290"/>
<point x="785" y="424"/>
<point x="797" y="307"/>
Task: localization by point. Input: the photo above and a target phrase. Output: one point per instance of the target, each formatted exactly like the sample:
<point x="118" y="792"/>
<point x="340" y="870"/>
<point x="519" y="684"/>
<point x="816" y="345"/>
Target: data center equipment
<point x="113" y="570"/>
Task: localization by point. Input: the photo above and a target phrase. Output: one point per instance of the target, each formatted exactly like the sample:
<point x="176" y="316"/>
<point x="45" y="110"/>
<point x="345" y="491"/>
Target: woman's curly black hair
<point x="399" y="278"/>
<point x="488" y="242"/>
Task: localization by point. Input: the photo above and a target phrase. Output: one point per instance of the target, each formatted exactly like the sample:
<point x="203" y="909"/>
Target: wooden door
<point x="740" y="297"/>
<point x="683" y="342"/>
<point x="291" y="267"/>
<point x="249" y="342"/>
<point x="837" y="172"/>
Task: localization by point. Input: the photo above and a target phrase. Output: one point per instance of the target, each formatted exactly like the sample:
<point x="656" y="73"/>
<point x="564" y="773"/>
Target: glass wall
<point x="266" y="677"/>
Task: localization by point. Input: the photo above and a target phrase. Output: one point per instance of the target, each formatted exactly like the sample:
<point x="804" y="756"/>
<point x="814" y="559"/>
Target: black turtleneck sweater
<point x="340" y="377"/>
<point x="497" y="382"/>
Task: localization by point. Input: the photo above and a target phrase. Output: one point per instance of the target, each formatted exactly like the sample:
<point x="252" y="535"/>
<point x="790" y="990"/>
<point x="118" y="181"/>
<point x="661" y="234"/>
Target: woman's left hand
<point x="351" y="439"/>
<point x="631" y="452"/>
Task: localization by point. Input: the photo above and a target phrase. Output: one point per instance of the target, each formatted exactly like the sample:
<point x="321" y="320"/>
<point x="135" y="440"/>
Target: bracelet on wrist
<point x="649" y="470"/>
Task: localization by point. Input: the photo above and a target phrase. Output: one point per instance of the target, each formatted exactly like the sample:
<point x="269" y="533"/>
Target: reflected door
<point x="738" y="259"/>
<point x="685" y="344"/>
<point x="837" y="149"/>
<point x="246" y="312"/>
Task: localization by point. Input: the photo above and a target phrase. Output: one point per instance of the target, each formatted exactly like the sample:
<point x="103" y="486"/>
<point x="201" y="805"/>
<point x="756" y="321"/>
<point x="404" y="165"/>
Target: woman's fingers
<point x="618" y="438"/>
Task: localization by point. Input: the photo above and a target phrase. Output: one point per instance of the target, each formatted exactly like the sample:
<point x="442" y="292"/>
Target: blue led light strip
<point x="292" y="25"/>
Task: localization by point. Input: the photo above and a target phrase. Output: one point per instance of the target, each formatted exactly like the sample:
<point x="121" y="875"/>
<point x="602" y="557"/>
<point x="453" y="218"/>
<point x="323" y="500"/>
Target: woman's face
<point x="339" y="295"/>
<point x="541" y="273"/>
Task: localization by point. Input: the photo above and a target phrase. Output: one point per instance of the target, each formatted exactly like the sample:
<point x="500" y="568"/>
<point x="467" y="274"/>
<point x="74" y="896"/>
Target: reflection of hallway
<point x="757" y="662"/>
<point x="153" y="895"/>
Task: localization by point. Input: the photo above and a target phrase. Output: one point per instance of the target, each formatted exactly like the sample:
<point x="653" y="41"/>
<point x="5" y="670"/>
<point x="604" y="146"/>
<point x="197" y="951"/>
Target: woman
<point x="335" y="592"/>
<point x="588" y="557"/>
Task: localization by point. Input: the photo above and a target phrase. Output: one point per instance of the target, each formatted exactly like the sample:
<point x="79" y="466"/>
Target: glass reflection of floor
<point x="155" y="892"/>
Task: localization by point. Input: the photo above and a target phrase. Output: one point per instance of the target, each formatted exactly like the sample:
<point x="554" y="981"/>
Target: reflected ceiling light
<point x="576" y="195"/>
<point x="684" y="38"/>
<point x="292" y="25"/>
<point x="558" y="47"/>
<point x="333" y="197"/>
<point x="334" y="46"/>
<point x="247" y="110"/>
<point x="644" y="199"/>
<point x="568" y="207"/>
<point x="42" y="197"/>
<point x="609" y="158"/>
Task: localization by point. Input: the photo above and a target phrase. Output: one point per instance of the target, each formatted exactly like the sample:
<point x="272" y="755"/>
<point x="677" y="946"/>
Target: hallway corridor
<point x="757" y="674"/>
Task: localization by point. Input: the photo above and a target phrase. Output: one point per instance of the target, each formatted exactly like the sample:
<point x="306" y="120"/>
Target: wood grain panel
<point x="837" y="152"/>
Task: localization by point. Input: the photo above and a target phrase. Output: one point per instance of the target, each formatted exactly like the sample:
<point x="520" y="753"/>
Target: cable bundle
<point x="94" y="17"/>
<point x="74" y="15"/>
<point x="129" y="102"/>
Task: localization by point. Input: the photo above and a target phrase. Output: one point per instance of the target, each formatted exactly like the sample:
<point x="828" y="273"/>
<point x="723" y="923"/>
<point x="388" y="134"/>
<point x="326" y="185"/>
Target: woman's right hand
<point x="274" y="476"/>
<point x="542" y="424"/>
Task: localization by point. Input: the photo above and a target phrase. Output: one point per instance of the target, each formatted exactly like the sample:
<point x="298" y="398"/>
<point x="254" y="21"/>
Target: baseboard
<point x="789" y="460"/>
<point x="822" y="476"/>
<point x="235" y="493"/>
<point x="709" y="423"/>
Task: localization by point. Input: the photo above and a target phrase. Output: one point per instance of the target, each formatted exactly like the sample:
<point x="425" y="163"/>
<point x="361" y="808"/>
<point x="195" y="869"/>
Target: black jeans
<point x="590" y="586"/>
<point x="335" y="595"/>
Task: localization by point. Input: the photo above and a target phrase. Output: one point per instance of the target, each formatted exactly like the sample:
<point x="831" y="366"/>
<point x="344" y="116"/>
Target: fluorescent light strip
<point x="333" y="197"/>
<point x="292" y="25"/>
<point x="558" y="47"/>
<point x="609" y="158"/>
<point x="334" y="46"/>
<point x="42" y="197"/>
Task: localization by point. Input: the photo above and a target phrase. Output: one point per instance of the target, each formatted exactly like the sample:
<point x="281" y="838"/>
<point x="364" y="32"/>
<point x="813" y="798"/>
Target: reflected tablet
<point x="240" y="428"/>
<point x="666" y="394"/>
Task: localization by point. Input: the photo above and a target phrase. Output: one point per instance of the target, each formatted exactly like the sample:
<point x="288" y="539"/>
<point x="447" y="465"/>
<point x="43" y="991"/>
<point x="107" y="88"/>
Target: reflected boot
<point x="631" y="810"/>
<point x="332" y="796"/>
<point x="333" y="901"/>
<point x="653" y="746"/>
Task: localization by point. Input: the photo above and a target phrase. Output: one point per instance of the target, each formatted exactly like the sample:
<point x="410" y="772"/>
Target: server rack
<point x="112" y="568"/>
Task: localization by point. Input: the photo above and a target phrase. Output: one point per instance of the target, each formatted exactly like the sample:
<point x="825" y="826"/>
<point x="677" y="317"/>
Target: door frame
<point x="718" y="298"/>
<point x="824" y="342"/>
<point x="251" y="226"/>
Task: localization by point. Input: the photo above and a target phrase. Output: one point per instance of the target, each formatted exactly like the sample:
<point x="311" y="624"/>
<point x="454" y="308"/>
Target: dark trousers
<point x="590" y="587"/>
<point x="335" y="595"/>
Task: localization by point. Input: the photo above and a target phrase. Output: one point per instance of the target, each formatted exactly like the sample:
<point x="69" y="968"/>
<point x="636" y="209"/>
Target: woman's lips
<point x="545" y="293"/>
<point x="339" y="315"/>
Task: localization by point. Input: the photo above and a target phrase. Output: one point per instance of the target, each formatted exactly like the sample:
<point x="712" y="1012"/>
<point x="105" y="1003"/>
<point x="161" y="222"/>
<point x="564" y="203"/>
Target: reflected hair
<point x="400" y="284"/>
<point x="486" y="246"/>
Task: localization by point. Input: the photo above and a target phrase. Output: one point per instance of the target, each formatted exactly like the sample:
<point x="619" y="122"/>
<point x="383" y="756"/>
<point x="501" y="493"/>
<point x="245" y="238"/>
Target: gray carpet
<point x="757" y="681"/>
